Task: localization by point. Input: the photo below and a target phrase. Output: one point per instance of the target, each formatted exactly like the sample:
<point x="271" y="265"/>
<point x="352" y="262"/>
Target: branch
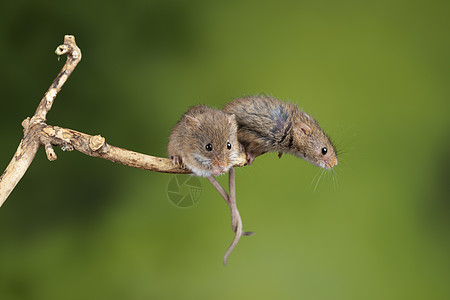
<point x="30" y="142"/>
<point x="37" y="133"/>
<point x="96" y="146"/>
<point x="73" y="58"/>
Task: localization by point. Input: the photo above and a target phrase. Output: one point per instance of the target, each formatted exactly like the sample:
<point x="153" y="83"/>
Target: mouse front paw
<point x="176" y="159"/>
<point x="250" y="157"/>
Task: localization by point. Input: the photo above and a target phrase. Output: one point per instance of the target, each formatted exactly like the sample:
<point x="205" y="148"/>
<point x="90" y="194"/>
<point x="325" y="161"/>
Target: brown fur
<point x="267" y="124"/>
<point x="201" y="126"/>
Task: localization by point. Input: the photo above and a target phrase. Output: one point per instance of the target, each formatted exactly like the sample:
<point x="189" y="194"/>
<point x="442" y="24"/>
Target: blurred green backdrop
<point x="376" y="76"/>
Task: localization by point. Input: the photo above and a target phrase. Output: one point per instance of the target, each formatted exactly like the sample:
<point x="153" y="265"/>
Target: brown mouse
<point x="267" y="124"/>
<point x="205" y="141"/>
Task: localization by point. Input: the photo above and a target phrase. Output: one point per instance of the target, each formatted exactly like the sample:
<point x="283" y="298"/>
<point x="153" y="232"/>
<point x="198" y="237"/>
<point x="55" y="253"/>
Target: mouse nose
<point x="216" y="171"/>
<point x="219" y="168"/>
<point x="333" y="161"/>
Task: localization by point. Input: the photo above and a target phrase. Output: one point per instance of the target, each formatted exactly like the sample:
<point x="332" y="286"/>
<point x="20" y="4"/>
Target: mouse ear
<point x="302" y="128"/>
<point x="191" y="121"/>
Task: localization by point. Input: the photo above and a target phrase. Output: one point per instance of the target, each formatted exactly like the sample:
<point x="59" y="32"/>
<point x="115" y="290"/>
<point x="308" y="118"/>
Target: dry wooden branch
<point x="37" y="133"/>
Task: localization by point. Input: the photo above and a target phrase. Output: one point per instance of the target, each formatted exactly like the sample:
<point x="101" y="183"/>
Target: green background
<point x="374" y="73"/>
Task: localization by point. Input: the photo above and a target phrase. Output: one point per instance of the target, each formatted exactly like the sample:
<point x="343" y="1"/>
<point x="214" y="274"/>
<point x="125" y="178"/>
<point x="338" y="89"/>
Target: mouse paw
<point x="250" y="158"/>
<point x="176" y="159"/>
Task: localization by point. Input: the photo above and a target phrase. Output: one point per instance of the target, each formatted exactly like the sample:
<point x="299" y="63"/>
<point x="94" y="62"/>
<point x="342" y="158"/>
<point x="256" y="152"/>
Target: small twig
<point x="73" y="58"/>
<point x="51" y="155"/>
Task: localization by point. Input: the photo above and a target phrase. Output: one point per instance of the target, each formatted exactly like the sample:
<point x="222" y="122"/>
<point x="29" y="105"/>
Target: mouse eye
<point x="324" y="150"/>
<point x="208" y="147"/>
<point x="228" y="146"/>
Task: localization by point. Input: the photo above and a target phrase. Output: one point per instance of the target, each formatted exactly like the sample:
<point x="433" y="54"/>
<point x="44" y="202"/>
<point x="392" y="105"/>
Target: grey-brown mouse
<point x="205" y="141"/>
<point x="267" y="124"/>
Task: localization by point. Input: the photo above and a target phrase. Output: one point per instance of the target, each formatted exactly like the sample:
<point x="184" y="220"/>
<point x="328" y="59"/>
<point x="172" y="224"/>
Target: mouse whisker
<point x="314" y="178"/>
<point x="335" y="180"/>
<point x="318" y="180"/>
<point x="202" y="160"/>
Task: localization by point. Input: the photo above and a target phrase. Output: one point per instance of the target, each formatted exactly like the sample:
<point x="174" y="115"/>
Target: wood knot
<point x="26" y="123"/>
<point x="96" y="142"/>
<point x="62" y="49"/>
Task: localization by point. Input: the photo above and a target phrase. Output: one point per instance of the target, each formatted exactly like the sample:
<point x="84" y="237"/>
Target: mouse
<point x="266" y="124"/>
<point x="205" y="141"/>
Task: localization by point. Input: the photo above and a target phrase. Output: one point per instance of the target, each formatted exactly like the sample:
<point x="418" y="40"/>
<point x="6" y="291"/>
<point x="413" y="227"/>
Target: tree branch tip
<point x="51" y="155"/>
<point x="62" y="49"/>
<point x="68" y="46"/>
<point x="69" y="38"/>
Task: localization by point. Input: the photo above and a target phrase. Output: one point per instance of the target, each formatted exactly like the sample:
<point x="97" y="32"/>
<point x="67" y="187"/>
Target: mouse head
<point x="312" y="144"/>
<point x="214" y="142"/>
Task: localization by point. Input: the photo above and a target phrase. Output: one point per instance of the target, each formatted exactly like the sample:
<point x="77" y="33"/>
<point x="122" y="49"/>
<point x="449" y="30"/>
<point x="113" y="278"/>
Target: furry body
<point x="267" y="124"/>
<point x="205" y="141"/>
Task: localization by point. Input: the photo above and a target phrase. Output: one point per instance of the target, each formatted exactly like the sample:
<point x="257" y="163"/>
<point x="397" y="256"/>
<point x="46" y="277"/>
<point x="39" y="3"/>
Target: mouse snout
<point x="333" y="161"/>
<point x="219" y="167"/>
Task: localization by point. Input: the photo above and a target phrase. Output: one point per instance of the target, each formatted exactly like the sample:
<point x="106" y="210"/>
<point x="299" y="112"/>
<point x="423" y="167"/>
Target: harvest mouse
<point x="267" y="124"/>
<point x="205" y="141"/>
